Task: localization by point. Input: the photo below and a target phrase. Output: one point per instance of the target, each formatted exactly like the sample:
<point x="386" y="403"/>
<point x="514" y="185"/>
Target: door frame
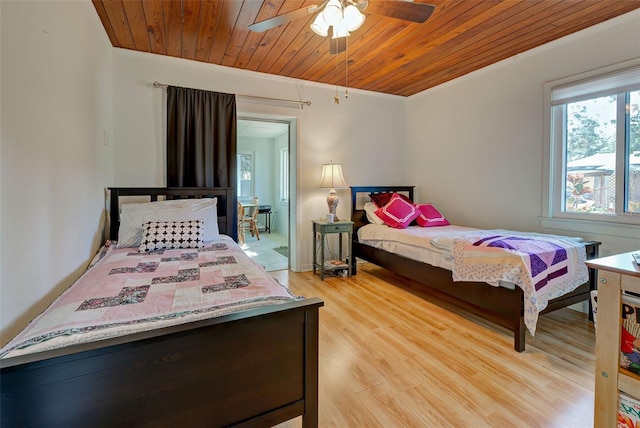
<point x="292" y="123"/>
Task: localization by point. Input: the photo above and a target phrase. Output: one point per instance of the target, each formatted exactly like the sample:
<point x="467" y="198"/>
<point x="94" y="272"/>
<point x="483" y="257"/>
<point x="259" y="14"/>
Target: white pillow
<point x="370" y="209"/>
<point x="132" y="218"/>
<point x="165" y="235"/>
<point x="171" y="203"/>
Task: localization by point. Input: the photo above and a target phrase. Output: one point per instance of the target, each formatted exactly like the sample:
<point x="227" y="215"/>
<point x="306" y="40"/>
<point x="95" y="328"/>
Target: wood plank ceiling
<point x="385" y="55"/>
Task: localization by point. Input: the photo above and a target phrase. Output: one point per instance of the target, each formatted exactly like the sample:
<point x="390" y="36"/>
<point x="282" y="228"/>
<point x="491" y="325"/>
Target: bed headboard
<point x="360" y="195"/>
<point x="226" y="203"/>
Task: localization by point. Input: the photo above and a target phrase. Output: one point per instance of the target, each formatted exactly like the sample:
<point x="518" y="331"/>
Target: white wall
<point x="475" y="144"/>
<point x="56" y="106"/>
<point x="366" y="133"/>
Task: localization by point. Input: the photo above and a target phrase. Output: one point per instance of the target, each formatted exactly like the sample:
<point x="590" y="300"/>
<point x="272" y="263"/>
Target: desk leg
<point x="268" y="226"/>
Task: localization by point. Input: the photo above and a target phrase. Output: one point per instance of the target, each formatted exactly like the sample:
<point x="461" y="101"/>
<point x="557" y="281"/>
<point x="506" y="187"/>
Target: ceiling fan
<point x="343" y="16"/>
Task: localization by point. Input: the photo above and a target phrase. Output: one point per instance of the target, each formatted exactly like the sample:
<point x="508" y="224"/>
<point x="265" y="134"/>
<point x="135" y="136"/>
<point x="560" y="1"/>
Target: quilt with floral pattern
<point x="124" y="291"/>
<point x="543" y="266"/>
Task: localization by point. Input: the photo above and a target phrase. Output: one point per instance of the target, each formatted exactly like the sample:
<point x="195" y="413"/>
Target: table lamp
<point x="332" y="179"/>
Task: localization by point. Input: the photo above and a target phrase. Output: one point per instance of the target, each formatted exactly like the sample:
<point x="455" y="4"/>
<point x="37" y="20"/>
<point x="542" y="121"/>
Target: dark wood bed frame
<point x="255" y="368"/>
<point x="500" y="305"/>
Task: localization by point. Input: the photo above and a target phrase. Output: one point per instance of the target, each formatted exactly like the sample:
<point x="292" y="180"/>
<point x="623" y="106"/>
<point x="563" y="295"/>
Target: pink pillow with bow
<point x="429" y="216"/>
<point x="398" y="213"/>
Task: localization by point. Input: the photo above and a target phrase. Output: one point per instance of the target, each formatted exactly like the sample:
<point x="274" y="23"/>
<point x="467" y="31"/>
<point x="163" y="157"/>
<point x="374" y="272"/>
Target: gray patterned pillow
<point x="165" y="235"/>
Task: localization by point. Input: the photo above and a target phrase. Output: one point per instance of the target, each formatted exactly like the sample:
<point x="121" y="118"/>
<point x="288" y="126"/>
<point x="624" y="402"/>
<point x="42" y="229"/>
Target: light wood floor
<point x="390" y="358"/>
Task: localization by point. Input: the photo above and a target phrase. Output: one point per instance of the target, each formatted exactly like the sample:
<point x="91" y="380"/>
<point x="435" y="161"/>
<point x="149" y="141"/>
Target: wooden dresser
<point x="615" y="274"/>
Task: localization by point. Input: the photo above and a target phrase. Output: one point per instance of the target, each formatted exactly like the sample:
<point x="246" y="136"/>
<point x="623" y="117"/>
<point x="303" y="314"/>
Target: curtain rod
<point x="157" y="84"/>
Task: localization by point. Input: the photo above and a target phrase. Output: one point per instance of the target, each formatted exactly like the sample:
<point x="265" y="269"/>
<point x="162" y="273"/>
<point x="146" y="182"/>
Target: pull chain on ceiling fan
<point x="344" y="16"/>
<point x="336" y="97"/>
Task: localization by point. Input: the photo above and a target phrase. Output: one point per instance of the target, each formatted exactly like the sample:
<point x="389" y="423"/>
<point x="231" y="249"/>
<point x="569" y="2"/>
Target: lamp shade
<point x="331" y="177"/>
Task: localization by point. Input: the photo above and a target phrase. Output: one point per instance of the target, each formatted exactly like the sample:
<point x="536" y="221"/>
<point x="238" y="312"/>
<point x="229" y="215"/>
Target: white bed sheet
<point x="414" y="243"/>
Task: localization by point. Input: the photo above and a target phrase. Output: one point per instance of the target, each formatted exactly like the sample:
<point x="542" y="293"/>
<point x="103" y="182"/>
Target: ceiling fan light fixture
<point x="320" y="26"/>
<point x="340" y="16"/>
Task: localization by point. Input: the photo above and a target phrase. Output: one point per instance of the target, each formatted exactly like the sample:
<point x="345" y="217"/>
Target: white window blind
<point x="619" y="81"/>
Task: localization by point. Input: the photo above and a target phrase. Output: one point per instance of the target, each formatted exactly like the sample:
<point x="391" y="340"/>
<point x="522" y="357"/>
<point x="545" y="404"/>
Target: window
<point x="245" y="175"/>
<point x="284" y="174"/>
<point x="594" y="137"/>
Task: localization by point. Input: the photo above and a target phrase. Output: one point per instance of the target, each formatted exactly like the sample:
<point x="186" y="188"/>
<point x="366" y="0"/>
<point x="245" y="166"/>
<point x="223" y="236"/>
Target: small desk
<point x="266" y="210"/>
<point x="321" y="228"/>
<point x="616" y="274"/>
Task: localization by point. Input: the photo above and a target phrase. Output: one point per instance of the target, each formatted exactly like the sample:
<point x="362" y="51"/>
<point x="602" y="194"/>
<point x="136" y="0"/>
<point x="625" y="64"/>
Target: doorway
<point x="264" y="172"/>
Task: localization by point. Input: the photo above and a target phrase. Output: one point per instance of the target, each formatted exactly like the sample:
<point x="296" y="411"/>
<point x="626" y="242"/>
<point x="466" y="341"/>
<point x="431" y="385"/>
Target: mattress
<point x="414" y="242"/>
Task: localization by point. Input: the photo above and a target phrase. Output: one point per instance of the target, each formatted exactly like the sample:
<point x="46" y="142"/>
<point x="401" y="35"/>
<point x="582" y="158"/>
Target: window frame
<point x="284" y="175"/>
<point x="554" y="179"/>
<point x="252" y="184"/>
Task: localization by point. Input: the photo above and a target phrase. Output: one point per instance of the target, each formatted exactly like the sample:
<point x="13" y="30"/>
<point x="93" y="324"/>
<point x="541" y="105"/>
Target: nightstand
<point x="322" y="228"/>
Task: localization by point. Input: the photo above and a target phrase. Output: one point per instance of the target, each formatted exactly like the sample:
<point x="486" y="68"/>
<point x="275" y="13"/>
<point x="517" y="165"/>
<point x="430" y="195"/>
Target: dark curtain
<point x="201" y="138"/>
<point x="201" y="141"/>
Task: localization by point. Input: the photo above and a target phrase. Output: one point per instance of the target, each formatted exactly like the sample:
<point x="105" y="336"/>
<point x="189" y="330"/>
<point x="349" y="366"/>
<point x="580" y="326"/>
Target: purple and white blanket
<point x="544" y="266"/>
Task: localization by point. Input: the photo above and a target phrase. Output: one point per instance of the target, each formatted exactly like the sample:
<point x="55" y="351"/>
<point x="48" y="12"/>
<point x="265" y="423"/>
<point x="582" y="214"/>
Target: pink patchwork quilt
<point x="124" y="291"/>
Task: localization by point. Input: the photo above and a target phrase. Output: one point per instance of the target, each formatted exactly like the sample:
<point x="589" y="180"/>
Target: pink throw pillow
<point x="429" y="216"/>
<point x="398" y="213"/>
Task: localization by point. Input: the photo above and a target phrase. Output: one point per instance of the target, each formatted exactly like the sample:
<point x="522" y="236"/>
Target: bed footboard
<point x="253" y="368"/>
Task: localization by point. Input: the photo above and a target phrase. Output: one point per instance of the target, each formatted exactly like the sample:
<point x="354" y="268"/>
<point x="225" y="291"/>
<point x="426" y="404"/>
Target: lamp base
<point x="332" y="202"/>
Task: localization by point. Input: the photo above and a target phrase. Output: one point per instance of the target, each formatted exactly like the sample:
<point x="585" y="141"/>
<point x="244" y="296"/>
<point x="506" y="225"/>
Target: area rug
<point x="282" y="250"/>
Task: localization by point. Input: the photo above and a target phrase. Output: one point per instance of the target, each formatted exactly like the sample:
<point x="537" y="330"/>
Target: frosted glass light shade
<point x="320" y="26"/>
<point x="340" y="30"/>
<point x="332" y="13"/>
<point x="353" y="18"/>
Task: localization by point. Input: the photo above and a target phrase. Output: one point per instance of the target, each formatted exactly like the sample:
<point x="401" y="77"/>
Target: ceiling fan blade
<point x="285" y="18"/>
<point x="402" y="9"/>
